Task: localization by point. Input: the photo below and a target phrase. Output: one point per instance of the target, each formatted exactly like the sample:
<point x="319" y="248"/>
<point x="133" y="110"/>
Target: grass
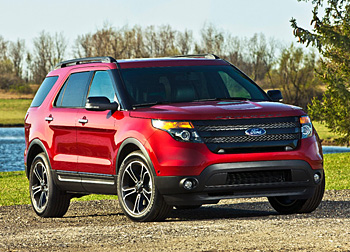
<point x="14" y="185"/>
<point x="337" y="169"/>
<point x="14" y="190"/>
<point x="12" y="112"/>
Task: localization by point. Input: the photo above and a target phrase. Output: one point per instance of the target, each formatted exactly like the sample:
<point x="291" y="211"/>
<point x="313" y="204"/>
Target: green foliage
<point x="331" y="36"/>
<point x="21" y="88"/>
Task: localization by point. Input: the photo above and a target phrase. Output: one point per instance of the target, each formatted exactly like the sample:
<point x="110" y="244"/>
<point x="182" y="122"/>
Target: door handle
<point x="83" y="120"/>
<point x="49" y="118"/>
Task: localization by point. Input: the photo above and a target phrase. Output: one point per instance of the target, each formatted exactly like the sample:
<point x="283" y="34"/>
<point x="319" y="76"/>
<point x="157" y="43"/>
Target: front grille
<point x="229" y="136"/>
<point x="282" y="125"/>
<point x="241" y="139"/>
<point x="258" y="177"/>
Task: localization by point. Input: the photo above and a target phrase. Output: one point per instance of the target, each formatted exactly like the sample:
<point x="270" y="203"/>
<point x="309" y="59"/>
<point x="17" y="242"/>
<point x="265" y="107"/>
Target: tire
<point x="137" y="194"/>
<point x="47" y="200"/>
<point x="285" y="205"/>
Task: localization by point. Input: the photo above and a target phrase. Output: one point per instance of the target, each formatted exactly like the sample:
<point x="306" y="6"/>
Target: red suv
<point x="182" y="131"/>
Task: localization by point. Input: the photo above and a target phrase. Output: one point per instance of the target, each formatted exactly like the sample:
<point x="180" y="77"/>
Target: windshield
<point x="149" y="86"/>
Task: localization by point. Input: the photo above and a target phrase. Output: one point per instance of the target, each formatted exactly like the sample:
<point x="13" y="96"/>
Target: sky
<point x="25" y="19"/>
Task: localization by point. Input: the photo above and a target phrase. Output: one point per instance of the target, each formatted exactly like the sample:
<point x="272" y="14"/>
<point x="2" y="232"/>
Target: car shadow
<point x="245" y="210"/>
<point x="327" y="209"/>
<point x="229" y="211"/>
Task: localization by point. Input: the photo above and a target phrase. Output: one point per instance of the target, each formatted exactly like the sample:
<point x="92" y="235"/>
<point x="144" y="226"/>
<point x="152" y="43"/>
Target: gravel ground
<point x="232" y="225"/>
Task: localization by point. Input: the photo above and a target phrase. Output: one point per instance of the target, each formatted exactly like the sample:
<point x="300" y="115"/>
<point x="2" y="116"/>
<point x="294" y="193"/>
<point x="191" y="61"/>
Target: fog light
<point x="188" y="184"/>
<point x="317" y="178"/>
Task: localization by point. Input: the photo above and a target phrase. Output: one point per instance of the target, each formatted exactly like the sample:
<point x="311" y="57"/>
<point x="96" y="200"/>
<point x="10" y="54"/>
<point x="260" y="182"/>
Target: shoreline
<point x="16" y="125"/>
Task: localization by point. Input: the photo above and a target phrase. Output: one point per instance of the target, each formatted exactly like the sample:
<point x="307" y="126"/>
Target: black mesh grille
<point x="231" y="135"/>
<point x="258" y="177"/>
<point x="241" y="139"/>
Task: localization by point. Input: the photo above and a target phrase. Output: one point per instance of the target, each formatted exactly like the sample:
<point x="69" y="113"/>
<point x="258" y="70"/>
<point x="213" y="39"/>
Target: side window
<point x="44" y="89"/>
<point x="73" y="92"/>
<point x="233" y="87"/>
<point x="102" y="85"/>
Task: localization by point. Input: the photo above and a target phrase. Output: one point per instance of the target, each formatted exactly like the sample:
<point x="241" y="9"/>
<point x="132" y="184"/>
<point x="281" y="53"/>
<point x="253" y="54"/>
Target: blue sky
<point x="26" y="18"/>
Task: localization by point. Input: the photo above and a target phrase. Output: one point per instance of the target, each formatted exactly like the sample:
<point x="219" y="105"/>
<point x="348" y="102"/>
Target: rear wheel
<point x="285" y="205"/>
<point x="47" y="200"/>
<point x="137" y="193"/>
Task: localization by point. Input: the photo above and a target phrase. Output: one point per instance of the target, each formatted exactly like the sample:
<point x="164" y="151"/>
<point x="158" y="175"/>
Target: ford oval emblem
<point x="255" y="132"/>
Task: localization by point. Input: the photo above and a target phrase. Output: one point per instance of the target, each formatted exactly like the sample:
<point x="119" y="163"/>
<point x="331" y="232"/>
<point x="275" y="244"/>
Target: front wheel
<point x="47" y="200"/>
<point x="285" y="205"/>
<point x="137" y="193"/>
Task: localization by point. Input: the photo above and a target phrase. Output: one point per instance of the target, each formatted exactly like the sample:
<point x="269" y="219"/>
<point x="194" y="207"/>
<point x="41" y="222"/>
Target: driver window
<point x="102" y="85"/>
<point x="233" y="87"/>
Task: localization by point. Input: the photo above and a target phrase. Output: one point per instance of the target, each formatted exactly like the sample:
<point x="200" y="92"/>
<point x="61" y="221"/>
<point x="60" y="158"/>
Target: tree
<point x="7" y="78"/>
<point x="16" y="54"/>
<point x="184" y="42"/>
<point x="296" y="77"/>
<point x="261" y="55"/>
<point x="3" y="48"/>
<point x="331" y="36"/>
<point x="48" y="51"/>
<point x="213" y="41"/>
<point x="161" y="41"/>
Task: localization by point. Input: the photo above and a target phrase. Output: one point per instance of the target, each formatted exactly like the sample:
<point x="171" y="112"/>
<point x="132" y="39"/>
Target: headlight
<point x="306" y="127"/>
<point x="179" y="130"/>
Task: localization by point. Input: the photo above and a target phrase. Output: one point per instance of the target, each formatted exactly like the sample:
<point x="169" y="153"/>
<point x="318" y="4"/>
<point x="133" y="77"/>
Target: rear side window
<point x="73" y="92"/>
<point x="44" y="89"/>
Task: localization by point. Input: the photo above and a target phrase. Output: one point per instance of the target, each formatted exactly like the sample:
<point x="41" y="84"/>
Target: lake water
<point x="12" y="147"/>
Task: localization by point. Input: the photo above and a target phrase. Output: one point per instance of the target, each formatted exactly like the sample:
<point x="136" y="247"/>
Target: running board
<point x="82" y="177"/>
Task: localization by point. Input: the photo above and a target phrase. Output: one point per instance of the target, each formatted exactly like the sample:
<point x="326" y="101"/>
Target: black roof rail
<point x="85" y="61"/>
<point x="206" y="56"/>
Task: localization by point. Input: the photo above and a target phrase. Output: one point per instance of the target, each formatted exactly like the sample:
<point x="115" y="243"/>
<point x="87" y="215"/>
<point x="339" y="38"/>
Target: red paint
<point x="92" y="147"/>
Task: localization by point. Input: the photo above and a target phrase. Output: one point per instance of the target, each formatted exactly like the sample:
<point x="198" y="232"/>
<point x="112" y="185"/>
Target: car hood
<point x="215" y="110"/>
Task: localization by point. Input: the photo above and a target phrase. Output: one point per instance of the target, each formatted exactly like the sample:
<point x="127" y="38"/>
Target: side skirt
<point x="81" y="182"/>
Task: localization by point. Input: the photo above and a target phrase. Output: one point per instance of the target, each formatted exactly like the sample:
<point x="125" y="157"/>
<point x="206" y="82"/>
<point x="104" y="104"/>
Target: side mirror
<point x="275" y="95"/>
<point x="100" y="103"/>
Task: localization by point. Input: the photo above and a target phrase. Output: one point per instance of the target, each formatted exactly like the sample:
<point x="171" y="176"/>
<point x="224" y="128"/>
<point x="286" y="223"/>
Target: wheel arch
<point x="128" y="146"/>
<point x="35" y="147"/>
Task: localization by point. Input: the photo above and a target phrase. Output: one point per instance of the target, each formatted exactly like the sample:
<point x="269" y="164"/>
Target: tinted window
<point x="44" y="89"/>
<point x="102" y="85"/>
<point x="73" y="93"/>
<point x="233" y="87"/>
<point x="188" y="83"/>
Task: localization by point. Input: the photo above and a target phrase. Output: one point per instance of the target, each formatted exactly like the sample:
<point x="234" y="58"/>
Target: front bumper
<point x="294" y="178"/>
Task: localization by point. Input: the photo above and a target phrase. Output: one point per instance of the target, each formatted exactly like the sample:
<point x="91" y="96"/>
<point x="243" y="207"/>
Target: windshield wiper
<point x="223" y="99"/>
<point x="148" y="104"/>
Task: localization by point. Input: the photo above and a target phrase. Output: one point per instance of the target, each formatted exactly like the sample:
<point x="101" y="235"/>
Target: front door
<point x="96" y="132"/>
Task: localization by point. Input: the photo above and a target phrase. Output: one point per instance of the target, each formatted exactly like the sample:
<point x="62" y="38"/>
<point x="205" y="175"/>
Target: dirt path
<point x="233" y="225"/>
